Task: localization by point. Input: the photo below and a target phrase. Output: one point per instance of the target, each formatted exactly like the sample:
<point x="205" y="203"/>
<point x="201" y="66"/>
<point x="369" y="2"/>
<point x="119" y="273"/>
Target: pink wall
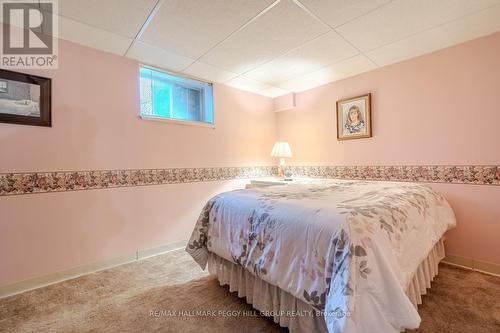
<point x="441" y="108"/>
<point x="284" y="102"/>
<point x="46" y="233"/>
<point x="96" y="126"/>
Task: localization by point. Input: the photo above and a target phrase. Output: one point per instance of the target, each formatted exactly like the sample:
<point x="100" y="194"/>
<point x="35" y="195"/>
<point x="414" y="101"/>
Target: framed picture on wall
<point x="25" y="99"/>
<point x="354" y="118"/>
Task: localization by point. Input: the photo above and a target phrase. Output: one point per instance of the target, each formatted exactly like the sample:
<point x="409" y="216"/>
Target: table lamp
<point x="282" y="150"/>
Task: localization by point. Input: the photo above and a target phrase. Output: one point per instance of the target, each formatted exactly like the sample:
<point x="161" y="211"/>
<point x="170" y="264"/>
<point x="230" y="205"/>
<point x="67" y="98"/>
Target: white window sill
<point x="175" y="121"/>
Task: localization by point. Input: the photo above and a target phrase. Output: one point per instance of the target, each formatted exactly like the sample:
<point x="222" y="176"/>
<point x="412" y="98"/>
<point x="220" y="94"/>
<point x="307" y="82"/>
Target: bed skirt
<point x="425" y="274"/>
<point x="297" y="315"/>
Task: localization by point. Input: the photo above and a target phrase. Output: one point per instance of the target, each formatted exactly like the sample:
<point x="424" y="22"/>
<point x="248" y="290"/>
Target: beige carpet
<point x="163" y="293"/>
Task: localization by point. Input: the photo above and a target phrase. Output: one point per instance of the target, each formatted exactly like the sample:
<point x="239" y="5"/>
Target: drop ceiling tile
<point x="324" y="50"/>
<point x="469" y="27"/>
<point x="191" y="27"/>
<point x="273" y="92"/>
<point x="350" y="67"/>
<point x="123" y="17"/>
<point x="337" y="12"/>
<point x="244" y="83"/>
<point x="282" y="28"/>
<point x="209" y="72"/>
<point x="155" y="56"/>
<point x="402" y="18"/>
<point x="92" y="37"/>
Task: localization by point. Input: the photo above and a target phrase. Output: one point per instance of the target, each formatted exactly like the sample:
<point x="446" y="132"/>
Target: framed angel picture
<point x="354" y="118"/>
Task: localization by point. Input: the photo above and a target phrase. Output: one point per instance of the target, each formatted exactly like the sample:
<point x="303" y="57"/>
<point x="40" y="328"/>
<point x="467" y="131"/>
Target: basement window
<point x="168" y="97"/>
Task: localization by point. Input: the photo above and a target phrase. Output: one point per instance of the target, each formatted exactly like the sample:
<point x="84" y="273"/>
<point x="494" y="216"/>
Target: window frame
<point x="192" y="82"/>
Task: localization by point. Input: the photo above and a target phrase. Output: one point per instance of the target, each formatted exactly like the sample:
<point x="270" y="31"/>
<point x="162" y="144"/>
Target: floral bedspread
<point x="348" y="248"/>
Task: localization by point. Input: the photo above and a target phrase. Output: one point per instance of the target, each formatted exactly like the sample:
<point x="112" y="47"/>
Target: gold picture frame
<point x="354" y="119"/>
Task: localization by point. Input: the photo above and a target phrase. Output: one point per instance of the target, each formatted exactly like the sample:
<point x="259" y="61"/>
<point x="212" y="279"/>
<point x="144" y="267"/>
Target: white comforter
<point x="348" y="248"/>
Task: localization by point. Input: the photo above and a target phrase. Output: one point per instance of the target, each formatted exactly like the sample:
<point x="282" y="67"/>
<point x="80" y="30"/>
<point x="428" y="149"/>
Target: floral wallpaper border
<point x="454" y="174"/>
<point x="43" y="182"/>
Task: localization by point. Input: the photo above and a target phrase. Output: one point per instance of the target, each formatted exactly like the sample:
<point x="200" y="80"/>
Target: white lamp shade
<point x="281" y="149"/>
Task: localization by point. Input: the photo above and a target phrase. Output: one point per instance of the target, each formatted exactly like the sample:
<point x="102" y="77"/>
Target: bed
<point x="327" y="255"/>
<point x="21" y="107"/>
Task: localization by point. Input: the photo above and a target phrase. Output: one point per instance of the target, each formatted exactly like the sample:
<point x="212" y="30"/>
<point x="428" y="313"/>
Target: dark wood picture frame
<point x="45" y="102"/>
<point x="367" y="117"/>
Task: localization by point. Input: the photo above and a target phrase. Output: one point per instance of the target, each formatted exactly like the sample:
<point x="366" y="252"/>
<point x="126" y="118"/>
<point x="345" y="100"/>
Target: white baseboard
<point x="472" y="264"/>
<point x="42" y="281"/>
<point x="147" y="253"/>
<point x="46" y="280"/>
